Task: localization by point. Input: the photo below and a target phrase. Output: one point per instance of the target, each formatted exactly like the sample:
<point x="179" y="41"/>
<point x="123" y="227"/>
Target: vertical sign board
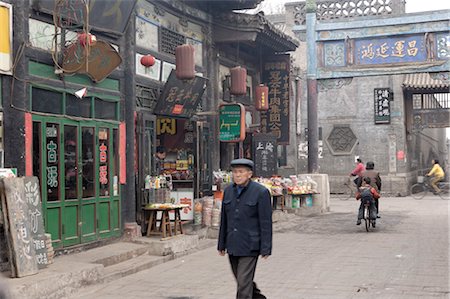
<point x="22" y="253"/>
<point x="231" y="123"/>
<point x="5" y="38"/>
<point x="382" y="111"/>
<point x="275" y="75"/>
<point x="265" y="155"/>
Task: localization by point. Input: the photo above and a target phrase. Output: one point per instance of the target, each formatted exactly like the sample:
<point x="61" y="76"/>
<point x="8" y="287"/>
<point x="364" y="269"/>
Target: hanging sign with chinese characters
<point x="180" y="98"/>
<point x="390" y="50"/>
<point x="275" y="75"/>
<point x="231" y="123"/>
<point x="265" y="155"/>
<point x="382" y="99"/>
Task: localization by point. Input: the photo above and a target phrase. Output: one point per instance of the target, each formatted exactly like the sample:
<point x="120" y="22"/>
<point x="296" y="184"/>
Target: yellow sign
<point x="5" y="37"/>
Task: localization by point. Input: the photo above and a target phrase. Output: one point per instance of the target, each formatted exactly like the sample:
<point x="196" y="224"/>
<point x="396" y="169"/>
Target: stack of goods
<point x="50" y="251"/>
<point x="208" y="203"/>
<point x="215" y="219"/>
<point x="301" y="184"/>
<point x="274" y="184"/>
<point x="222" y="179"/>
<point x="198" y="206"/>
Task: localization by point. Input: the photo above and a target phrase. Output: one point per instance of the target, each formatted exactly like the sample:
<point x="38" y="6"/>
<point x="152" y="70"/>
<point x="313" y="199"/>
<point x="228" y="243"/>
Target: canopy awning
<point x="425" y="81"/>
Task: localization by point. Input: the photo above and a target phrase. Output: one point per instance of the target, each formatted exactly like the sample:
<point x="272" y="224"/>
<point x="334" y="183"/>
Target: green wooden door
<point x="76" y="164"/>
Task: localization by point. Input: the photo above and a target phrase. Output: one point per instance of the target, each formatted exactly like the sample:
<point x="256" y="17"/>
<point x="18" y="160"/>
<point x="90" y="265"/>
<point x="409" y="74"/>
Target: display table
<point x="165" y="229"/>
<point x="302" y="199"/>
<point x="275" y="201"/>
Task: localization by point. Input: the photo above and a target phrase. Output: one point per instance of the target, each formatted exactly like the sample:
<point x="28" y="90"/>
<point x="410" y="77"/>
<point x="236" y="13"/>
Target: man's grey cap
<point x="242" y="162"/>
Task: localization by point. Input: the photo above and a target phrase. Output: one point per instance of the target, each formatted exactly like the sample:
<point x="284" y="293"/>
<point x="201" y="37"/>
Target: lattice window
<point x="333" y="9"/>
<point x="170" y="40"/>
<point x="146" y="97"/>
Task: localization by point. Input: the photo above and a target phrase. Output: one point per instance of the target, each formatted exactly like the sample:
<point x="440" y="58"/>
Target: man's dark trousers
<point x="243" y="268"/>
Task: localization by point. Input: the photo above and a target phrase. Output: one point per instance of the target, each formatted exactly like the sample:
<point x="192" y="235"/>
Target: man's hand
<point x="264" y="256"/>
<point x="221" y="252"/>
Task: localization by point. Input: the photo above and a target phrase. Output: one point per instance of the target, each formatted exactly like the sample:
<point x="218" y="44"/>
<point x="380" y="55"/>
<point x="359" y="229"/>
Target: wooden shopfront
<point x="75" y="145"/>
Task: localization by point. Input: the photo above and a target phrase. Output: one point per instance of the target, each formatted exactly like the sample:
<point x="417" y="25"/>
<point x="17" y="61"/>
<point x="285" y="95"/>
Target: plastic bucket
<point x="295" y="202"/>
<point x="309" y="200"/>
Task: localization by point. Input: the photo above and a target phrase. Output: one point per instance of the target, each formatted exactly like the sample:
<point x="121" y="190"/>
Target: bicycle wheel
<point x="366" y="218"/>
<point x="445" y="190"/>
<point x="418" y="191"/>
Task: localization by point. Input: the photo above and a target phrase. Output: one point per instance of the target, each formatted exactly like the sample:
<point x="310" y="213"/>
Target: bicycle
<point x="366" y="218"/>
<point x="350" y="185"/>
<point x="420" y="189"/>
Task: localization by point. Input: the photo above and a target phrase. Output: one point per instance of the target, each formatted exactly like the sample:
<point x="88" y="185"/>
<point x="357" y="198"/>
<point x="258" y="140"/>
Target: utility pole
<point x="311" y="82"/>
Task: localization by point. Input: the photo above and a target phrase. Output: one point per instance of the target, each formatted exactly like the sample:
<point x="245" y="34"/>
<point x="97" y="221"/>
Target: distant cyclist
<point x="437" y="174"/>
<point x="367" y="193"/>
<point x="375" y="181"/>
<point x="358" y="171"/>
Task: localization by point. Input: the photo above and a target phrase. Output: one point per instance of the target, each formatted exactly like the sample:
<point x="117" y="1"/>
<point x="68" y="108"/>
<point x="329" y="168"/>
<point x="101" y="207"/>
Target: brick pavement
<point x="326" y="256"/>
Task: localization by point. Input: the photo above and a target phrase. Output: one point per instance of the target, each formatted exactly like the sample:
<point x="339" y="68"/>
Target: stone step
<point x="133" y="266"/>
<point x="111" y="254"/>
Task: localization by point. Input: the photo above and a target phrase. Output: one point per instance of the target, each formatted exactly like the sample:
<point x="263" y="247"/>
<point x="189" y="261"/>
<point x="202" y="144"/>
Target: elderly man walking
<point x="246" y="227"/>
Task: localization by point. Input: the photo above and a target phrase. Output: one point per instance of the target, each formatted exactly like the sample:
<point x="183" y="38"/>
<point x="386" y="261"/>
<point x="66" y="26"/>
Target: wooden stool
<point x="275" y="200"/>
<point x="165" y="224"/>
<point x="177" y="224"/>
<point x="151" y="223"/>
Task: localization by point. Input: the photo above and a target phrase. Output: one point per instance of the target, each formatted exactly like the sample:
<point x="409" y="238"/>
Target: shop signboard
<point x="24" y="225"/>
<point x="180" y="98"/>
<point x="5" y="38"/>
<point x="382" y="99"/>
<point x="390" y="50"/>
<point x="275" y="74"/>
<point x="265" y="155"/>
<point x="103" y="59"/>
<point x="232" y="122"/>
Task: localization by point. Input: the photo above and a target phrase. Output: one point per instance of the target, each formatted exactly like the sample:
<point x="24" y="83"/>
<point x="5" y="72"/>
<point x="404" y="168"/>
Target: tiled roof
<point x="425" y="81"/>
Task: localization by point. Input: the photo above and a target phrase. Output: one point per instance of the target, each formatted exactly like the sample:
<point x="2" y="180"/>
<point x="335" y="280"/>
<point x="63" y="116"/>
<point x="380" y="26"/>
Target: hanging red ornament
<point x="86" y="39"/>
<point x="238" y="81"/>
<point x="147" y="60"/>
<point x="262" y="98"/>
<point x="185" y="64"/>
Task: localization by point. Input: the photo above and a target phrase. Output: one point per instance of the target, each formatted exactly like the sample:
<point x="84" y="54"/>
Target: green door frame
<point x="82" y="220"/>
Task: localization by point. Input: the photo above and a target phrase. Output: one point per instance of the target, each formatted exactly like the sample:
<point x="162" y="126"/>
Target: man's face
<point x="241" y="175"/>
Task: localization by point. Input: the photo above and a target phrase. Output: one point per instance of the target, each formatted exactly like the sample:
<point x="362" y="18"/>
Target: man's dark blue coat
<point x="246" y="221"/>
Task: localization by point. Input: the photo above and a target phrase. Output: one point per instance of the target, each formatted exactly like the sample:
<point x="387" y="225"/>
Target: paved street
<point x="327" y="256"/>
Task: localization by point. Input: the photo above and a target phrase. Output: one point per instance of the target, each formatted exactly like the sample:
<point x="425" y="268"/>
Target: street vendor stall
<point x="160" y="213"/>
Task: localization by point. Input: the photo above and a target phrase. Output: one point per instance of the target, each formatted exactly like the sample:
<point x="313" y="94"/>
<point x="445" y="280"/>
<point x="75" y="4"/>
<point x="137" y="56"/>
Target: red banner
<point x="122" y="153"/>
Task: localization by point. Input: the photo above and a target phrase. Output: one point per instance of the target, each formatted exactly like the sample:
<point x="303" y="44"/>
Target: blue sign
<point x="390" y="50"/>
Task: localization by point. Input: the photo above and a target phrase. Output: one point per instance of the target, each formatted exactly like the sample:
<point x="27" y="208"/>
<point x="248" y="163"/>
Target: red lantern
<point x="86" y="38"/>
<point x="262" y="98"/>
<point x="238" y="81"/>
<point x="185" y="64"/>
<point x="147" y="60"/>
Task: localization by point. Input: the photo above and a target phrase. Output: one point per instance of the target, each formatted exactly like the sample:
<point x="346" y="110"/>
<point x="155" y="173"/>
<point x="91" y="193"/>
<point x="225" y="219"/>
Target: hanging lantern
<point x="147" y="60"/>
<point x="238" y="81"/>
<point x="262" y="98"/>
<point x="185" y="64"/>
<point x="86" y="39"/>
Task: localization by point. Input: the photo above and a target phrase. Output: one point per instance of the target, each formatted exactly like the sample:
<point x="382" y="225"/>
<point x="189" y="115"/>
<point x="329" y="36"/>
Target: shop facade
<point x="92" y="139"/>
<point x="66" y="126"/>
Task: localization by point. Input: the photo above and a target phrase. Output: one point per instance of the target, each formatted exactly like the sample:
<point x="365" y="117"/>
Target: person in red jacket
<point x="358" y="170"/>
<point x="367" y="193"/>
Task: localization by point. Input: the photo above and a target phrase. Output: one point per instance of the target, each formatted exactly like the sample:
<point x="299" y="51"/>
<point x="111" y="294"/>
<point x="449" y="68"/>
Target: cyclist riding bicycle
<point x="358" y="171"/>
<point x="437" y="174"/>
<point x="367" y="193"/>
